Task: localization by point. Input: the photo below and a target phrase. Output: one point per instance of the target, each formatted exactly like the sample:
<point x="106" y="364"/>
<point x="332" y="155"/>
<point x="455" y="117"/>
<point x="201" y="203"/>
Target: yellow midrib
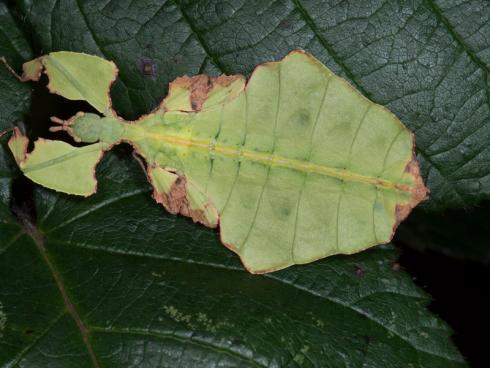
<point x="276" y="160"/>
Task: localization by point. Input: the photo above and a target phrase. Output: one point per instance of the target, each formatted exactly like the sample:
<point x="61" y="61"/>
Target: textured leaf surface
<point x="426" y="60"/>
<point x="149" y="289"/>
<point x="295" y="166"/>
<point x="15" y="98"/>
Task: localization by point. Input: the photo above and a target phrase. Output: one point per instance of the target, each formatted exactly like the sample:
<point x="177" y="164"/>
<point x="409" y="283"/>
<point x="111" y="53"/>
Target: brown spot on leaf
<point x="148" y="68"/>
<point x="359" y="271"/>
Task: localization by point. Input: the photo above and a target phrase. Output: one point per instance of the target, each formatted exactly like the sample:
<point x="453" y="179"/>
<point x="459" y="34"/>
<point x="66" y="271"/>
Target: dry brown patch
<point x="200" y="86"/>
<point x="419" y="193"/>
<point x="176" y="202"/>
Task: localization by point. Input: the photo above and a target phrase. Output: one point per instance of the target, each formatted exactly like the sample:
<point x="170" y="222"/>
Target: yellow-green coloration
<point x="293" y="166"/>
<point x="76" y="77"/>
<point x="58" y="165"/>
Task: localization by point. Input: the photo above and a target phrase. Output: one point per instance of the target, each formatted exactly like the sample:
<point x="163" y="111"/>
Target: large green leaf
<point x="426" y="60"/>
<point x="114" y="280"/>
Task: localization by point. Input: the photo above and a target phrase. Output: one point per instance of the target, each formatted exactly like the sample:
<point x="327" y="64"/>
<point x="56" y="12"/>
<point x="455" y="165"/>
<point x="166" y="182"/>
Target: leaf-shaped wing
<point x="299" y="166"/>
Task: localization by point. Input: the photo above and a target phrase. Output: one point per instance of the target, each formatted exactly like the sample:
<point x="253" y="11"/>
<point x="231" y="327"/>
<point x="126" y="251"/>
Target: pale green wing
<point x="300" y="166"/>
<point x="76" y="76"/>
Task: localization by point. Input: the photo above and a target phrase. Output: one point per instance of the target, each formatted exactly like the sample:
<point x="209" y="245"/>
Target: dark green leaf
<point x="14" y="96"/>
<point x="138" y="286"/>
<point x="8" y="227"/>
<point x="15" y="99"/>
<point x="428" y="61"/>
<point x="114" y="281"/>
<point x="13" y="43"/>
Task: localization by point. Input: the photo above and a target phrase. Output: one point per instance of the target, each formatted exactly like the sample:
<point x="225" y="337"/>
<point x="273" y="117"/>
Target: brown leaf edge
<point x="419" y="191"/>
<point x="200" y="85"/>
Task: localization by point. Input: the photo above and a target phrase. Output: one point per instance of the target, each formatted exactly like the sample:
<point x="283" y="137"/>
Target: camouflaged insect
<point x="293" y="165"/>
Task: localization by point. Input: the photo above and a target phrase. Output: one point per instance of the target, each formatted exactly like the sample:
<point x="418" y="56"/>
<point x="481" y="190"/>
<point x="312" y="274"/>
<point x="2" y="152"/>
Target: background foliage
<point x="115" y="281"/>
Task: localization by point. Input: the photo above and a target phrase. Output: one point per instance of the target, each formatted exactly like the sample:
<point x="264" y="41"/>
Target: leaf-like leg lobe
<point x="201" y="92"/>
<point x="179" y="196"/>
<point x="58" y="165"/>
<point x="76" y="76"/>
<point x="18" y="146"/>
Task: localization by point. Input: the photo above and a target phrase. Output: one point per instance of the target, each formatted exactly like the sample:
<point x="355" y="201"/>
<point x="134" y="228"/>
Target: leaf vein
<point x="199" y="38"/>
<point x="98" y="207"/>
<point x="268" y="275"/>
<point x="269" y="167"/>
<point x="312" y="134"/>
<point x="161" y="334"/>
